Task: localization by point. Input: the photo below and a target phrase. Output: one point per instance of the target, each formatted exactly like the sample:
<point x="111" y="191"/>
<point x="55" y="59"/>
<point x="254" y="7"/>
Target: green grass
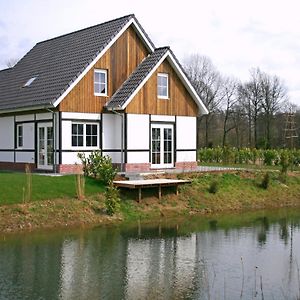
<point x="43" y="187"/>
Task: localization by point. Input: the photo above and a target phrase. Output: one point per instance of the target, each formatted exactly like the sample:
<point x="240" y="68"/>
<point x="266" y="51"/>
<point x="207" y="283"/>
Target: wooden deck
<point x="139" y="184"/>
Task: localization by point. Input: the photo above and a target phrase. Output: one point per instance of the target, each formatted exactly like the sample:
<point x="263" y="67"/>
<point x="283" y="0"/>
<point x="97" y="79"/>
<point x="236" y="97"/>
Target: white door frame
<point x="161" y="157"/>
<point x="44" y="144"/>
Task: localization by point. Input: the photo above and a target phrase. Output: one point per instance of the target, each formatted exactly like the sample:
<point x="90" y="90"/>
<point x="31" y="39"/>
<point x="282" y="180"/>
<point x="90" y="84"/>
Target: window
<point x="19" y="136"/>
<point x="30" y="81"/>
<point x="163" y="85"/>
<point x="100" y="82"/>
<point x="77" y="135"/>
<point x="84" y="135"/>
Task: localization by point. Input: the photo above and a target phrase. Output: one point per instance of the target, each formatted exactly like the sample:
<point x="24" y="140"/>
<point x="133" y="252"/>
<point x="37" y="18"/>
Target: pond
<point x="241" y="256"/>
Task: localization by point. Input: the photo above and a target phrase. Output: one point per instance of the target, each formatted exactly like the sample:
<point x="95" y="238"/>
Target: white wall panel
<point x="23" y="118"/>
<point x="7" y="156"/>
<point x="185" y="156"/>
<point x="115" y="156"/>
<point x="44" y="116"/>
<point x="162" y="118"/>
<point x="28" y="136"/>
<point x="111" y="131"/>
<point x="82" y="116"/>
<point x="25" y="157"/>
<point x="66" y="131"/>
<point x="186" y="133"/>
<point x="138" y="157"/>
<point x="7" y="132"/>
<point x="137" y="131"/>
<point x="71" y="158"/>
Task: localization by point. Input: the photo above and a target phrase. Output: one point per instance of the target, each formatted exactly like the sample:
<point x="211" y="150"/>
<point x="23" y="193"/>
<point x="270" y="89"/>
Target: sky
<point x="237" y="35"/>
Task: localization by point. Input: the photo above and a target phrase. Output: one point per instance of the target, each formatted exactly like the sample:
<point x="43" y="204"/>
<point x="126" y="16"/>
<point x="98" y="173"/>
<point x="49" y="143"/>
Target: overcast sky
<point x="236" y="34"/>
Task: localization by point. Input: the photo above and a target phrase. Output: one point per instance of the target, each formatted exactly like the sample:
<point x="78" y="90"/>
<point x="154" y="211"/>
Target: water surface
<point x="248" y="256"/>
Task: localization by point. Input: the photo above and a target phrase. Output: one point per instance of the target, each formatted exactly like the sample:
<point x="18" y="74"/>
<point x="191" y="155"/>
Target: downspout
<point x="122" y="137"/>
<point x="54" y="137"/>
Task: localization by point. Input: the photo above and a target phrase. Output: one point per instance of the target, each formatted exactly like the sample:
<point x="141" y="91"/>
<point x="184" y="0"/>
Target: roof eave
<point x="27" y="108"/>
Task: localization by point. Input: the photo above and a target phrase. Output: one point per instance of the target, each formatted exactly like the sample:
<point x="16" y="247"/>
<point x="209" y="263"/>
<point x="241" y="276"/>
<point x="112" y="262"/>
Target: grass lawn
<point x="12" y="187"/>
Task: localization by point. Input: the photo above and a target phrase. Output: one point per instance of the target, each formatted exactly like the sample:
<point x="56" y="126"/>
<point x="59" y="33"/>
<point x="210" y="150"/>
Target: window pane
<point x="74" y="128"/>
<point x="88" y="141"/>
<point x="80" y="141"/>
<point x="94" y="130"/>
<point x="97" y="88"/>
<point x="88" y="129"/>
<point x="94" y="141"/>
<point x="74" y="141"/>
<point x="102" y="88"/>
<point x="80" y="129"/>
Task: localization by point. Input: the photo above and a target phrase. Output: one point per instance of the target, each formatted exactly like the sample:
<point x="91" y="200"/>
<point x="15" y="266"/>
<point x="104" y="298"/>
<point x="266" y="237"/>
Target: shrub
<point x="112" y="200"/>
<point x="284" y="161"/>
<point x="213" y="187"/>
<point x="98" y="166"/>
<point x="265" y="181"/>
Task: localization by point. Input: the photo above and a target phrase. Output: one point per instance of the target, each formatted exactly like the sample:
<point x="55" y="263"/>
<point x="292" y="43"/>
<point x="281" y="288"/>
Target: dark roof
<point x="136" y="78"/>
<point x="56" y="63"/>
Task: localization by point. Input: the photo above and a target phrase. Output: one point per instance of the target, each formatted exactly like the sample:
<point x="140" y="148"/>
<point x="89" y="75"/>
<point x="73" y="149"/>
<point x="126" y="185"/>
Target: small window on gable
<point x="30" y="81"/>
<point x="100" y="82"/>
<point x="19" y="136"/>
<point x="163" y="85"/>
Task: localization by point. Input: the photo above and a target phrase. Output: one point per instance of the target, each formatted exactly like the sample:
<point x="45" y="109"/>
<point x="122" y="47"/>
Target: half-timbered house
<point x="105" y="87"/>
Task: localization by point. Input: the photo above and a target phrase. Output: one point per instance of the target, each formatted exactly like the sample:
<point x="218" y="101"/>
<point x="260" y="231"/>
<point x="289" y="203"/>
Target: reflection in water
<point x="223" y="258"/>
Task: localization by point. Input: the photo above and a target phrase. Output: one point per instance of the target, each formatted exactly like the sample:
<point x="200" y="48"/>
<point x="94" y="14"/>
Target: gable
<point x="180" y="101"/>
<point x="120" y="60"/>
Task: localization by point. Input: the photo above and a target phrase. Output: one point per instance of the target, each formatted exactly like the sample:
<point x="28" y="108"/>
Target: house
<point x="104" y="87"/>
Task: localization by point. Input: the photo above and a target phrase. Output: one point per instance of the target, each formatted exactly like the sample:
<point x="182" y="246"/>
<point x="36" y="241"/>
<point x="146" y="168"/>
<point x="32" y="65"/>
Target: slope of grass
<point x="12" y="187"/>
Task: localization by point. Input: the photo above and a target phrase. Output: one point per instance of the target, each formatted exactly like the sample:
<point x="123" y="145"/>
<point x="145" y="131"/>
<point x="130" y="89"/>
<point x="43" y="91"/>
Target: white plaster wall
<point x="44" y="116"/>
<point x="28" y="136"/>
<point x="185" y="156"/>
<point x="71" y="158"/>
<point x="138" y="157"/>
<point x="7" y="133"/>
<point x="162" y="118"/>
<point x="66" y="131"/>
<point x="111" y="131"/>
<point x="82" y="116"/>
<point x="186" y="133"/>
<point x="23" y="118"/>
<point x="25" y="157"/>
<point x="115" y="156"/>
<point x="137" y="131"/>
<point x="7" y="156"/>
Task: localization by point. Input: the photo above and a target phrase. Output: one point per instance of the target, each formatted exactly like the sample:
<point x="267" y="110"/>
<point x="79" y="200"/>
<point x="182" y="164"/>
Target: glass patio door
<point x="45" y="146"/>
<point x="162" y="146"/>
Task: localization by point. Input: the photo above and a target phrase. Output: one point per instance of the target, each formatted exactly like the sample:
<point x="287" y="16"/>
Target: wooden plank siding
<point x="120" y="61"/>
<point x="180" y="102"/>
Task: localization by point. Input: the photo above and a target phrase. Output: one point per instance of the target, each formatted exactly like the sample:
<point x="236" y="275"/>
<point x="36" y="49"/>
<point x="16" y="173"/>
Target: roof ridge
<point x="87" y="28"/>
<point x="163" y="48"/>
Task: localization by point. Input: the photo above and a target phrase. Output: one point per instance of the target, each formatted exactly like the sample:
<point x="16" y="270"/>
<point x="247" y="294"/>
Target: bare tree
<point x="251" y="94"/>
<point x="230" y="99"/>
<point x="11" y="62"/>
<point x="274" y="93"/>
<point x="207" y="82"/>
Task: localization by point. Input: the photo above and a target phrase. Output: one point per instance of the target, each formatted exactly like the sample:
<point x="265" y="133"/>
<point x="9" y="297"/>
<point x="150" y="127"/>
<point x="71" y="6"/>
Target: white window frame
<point x="166" y="76"/>
<point x="84" y="136"/>
<point x="101" y="71"/>
<point x="22" y="136"/>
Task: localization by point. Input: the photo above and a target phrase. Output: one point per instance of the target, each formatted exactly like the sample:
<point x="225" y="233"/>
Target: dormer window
<point x="30" y="81"/>
<point x="163" y="85"/>
<point x="100" y="82"/>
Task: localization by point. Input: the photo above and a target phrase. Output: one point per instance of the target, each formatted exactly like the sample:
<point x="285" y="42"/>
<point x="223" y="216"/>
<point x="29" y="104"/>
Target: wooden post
<point x="159" y="191"/>
<point x="177" y="191"/>
<point x="140" y="194"/>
